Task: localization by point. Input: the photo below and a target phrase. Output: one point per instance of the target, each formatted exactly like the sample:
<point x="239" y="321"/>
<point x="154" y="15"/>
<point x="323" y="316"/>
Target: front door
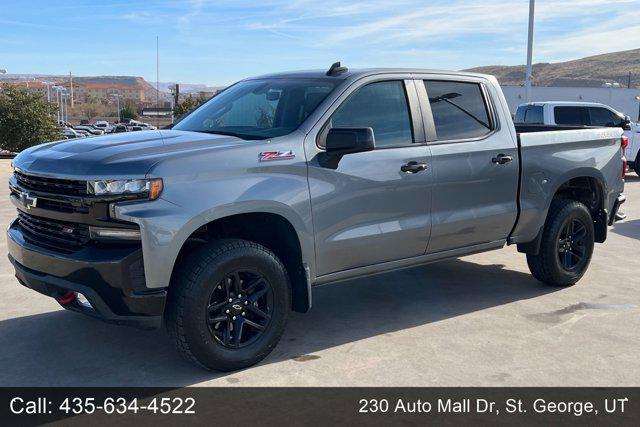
<point x="368" y="210"/>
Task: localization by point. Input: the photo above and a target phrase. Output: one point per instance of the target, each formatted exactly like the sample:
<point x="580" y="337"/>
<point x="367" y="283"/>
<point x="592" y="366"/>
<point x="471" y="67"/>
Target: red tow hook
<point x="67" y="298"/>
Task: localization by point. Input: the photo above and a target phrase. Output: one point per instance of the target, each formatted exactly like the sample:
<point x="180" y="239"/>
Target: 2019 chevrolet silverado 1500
<point x="224" y="223"/>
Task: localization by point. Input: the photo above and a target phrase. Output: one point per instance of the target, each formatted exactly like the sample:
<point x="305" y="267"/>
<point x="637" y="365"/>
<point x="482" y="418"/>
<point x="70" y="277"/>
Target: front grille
<point x="51" y="185"/>
<point x="50" y="232"/>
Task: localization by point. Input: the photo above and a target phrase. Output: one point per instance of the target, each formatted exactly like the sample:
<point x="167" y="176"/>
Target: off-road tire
<point x="189" y="294"/>
<point x="546" y="265"/>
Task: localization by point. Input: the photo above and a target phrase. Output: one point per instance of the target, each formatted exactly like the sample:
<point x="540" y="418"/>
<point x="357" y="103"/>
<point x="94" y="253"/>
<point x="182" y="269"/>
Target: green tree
<point x="188" y="105"/>
<point x="128" y="112"/>
<point x="26" y="119"/>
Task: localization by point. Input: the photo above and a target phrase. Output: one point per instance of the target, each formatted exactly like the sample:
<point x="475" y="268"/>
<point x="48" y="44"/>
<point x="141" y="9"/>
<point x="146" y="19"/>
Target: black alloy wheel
<point x="239" y="309"/>
<point x="572" y="244"/>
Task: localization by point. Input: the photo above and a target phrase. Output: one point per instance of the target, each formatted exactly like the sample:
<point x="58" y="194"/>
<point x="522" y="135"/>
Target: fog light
<point x="82" y="300"/>
<point x="114" y="233"/>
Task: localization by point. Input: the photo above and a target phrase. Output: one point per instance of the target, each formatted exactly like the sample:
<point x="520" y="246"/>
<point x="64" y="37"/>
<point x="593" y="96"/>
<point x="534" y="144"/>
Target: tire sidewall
<point x="203" y="345"/>
<point x="571" y="211"/>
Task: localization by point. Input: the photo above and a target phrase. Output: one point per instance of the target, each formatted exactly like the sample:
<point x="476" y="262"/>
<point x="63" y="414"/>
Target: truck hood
<point x="130" y="154"/>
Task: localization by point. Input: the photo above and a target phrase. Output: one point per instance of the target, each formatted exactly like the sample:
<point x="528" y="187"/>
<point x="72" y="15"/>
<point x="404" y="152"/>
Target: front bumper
<point x="111" y="278"/>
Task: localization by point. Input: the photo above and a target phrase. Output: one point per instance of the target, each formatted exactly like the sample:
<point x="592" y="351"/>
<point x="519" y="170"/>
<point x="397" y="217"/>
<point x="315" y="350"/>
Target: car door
<point x="474" y="162"/>
<point x="366" y="209"/>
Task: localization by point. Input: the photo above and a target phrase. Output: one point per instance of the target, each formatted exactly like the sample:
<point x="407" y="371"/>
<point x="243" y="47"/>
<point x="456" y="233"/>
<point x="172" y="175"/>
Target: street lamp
<point x="59" y="90"/>
<point x="65" y="110"/>
<point x="48" y="85"/>
<point x="117" y="96"/>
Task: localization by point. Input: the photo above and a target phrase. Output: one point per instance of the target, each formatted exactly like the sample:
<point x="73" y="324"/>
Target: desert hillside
<point x="592" y="71"/>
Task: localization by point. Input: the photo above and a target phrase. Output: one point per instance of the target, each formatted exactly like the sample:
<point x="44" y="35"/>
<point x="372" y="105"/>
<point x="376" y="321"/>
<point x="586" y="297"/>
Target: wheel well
<point x="589" y="191"/>
<point x="269" y="230"/>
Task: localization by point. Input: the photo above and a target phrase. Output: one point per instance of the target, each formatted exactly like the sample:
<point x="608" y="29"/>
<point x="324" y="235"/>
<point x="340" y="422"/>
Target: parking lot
<point x="481" y="320"/>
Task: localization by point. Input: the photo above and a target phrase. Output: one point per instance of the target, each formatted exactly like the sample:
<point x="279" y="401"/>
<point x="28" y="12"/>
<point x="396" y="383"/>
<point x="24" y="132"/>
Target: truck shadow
<point x="628" y="228"/>
<point x="60" y="348"/>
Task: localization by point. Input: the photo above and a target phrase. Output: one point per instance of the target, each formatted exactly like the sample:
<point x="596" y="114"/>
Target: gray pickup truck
<point x="221" y="225"/>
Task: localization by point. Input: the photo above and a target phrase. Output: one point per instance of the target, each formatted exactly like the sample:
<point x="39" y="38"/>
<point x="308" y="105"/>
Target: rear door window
<point x="570" y="116"/>
<point x="459" y="110"/>
<point x="530" y="114"/>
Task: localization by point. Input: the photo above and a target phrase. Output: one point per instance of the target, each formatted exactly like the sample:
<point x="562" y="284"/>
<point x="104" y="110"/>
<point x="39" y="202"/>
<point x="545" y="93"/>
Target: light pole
<point x="59" y="90"/>
<point x="65" y="110"/>
<point x="527" y="79"/>
<point x="48" y="85"/>
<point x="117" y="96"/>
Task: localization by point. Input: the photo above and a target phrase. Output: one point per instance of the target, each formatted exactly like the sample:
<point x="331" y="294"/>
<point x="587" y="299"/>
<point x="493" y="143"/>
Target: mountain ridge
<point x="591" y="71"/>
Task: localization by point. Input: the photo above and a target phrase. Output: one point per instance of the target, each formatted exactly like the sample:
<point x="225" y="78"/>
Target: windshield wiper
<point x="236" y="134"/>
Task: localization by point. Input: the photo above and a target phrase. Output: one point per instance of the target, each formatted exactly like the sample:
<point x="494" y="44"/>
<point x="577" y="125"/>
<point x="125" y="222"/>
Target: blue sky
<point x="219" y="41"/>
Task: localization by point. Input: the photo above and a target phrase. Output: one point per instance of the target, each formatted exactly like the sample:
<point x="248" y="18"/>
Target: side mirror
<point x="341" y="141"/>
<point x="626" y="123"/>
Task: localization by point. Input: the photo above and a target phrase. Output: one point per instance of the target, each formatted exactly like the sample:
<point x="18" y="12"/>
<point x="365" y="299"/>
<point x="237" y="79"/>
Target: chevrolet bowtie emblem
<point x="27" y="200"/>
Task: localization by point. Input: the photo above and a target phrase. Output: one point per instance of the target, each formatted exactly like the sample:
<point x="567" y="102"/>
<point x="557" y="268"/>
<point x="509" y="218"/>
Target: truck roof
<point x="362" y="72"/>
<point x="568" y="103"/>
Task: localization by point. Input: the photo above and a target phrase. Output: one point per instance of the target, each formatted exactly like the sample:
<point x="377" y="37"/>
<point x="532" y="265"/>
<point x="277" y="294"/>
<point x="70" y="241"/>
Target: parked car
<point x="633" y="149"/>
<point x="90" y="129"/>
<point x="582" y="114"/>
<point x="70" y="133"/>
<point x="570" y="114"/>
<point x="120" y="128"/>
<point x="101" y="124"/>
<point x="221" y="225"/>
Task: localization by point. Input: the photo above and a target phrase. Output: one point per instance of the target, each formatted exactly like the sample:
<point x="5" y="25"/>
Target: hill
<point x="592" y="71"/>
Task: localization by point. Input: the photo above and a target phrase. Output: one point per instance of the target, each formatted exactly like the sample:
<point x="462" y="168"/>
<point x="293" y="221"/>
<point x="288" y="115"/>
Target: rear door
<point x="474" y="161"/>
<point x="366" y="210"/>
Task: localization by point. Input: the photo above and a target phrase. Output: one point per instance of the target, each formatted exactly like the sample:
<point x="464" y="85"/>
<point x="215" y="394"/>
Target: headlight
<point x="110" y="187"/>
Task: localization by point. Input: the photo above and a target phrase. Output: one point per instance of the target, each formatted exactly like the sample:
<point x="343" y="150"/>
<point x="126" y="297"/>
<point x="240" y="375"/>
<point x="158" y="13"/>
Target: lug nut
<point x="244" y="314"/>
<point x="246" y="303"/>
<point x="230" y="299"/>
<point x="239" y="295"/>
<point x="234" y="317"/>
<point x="227" y="312"/>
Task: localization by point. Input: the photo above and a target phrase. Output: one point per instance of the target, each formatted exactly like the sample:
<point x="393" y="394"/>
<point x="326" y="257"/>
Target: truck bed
<point x="552" y="155"/>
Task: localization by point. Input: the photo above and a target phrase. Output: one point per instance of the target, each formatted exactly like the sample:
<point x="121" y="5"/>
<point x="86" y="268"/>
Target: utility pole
<point x="71" y="84"/>
<point x="527" y="80"/>
<point x="629" y="81"/>
<point x="117" y="97"/>
<point x="157" y="81"/>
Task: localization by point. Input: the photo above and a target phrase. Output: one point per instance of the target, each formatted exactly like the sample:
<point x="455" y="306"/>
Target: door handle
<point x="413" y="167"/>
<point x="501" y="159"/>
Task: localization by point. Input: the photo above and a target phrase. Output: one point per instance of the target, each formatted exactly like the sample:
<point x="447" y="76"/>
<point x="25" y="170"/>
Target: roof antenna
<point x="336" y="69"/>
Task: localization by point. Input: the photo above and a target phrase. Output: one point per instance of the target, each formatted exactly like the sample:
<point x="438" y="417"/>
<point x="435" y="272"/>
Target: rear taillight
<point x="624" y="142"/>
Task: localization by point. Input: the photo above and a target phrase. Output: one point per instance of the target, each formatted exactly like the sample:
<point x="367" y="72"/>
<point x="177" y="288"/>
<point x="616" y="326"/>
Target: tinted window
<point x="381" y="106"/>
<point x="259" y="109"/>
<point x="459" y="110"/>
<point x="602" y="117"/>
<point x="576" y="116"/>
<point x="530" y="114"/>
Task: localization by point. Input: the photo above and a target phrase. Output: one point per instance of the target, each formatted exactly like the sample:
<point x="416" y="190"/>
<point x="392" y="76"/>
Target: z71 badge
<point x="276" y="155"/>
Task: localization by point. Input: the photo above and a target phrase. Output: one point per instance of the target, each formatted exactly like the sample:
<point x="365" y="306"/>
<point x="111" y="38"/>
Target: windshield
<point x="259" y="109"/>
